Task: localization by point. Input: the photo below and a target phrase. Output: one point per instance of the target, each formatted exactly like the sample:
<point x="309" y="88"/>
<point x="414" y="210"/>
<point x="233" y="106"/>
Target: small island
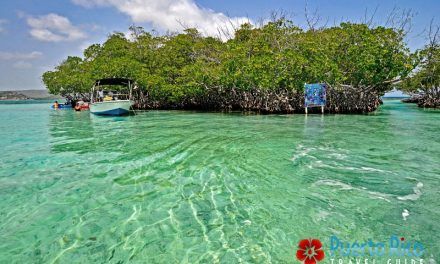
<point x="260" y="69"/>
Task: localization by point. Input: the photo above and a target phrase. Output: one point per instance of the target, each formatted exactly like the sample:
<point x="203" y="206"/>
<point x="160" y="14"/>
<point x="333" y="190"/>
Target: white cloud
<point x="172" y="14"/>
<point x="20" y="56"/>
<point x="22" y="65"/>
<point x="90" y="3"/>
<point x="54" y="28"/>
<point x="2" y="23"/>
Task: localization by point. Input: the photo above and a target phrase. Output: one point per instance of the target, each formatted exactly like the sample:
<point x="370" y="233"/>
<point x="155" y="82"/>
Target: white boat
<point x="111" y="102"/>
<point x="117" y="107"/>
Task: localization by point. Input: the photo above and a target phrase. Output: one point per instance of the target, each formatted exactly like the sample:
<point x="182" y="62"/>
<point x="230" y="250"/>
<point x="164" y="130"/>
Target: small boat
<point x="62" y="106"/>
<point x="105" y="101"/>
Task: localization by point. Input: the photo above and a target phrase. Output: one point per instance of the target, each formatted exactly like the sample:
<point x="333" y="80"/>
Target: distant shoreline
<point x="27" y="95"/>
<point x="29" y="101"/>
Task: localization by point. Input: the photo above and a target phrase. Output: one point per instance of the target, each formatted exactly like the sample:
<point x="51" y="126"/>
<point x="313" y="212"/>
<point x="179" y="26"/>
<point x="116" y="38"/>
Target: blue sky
<point x="36" y="35"/>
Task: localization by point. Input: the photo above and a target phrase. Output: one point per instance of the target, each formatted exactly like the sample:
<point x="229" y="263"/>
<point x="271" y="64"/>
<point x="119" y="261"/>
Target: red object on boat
<point x="85" y="106"/>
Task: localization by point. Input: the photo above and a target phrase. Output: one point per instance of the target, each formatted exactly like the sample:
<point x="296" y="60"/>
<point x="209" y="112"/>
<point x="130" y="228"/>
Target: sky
<point x="36" y="35"/>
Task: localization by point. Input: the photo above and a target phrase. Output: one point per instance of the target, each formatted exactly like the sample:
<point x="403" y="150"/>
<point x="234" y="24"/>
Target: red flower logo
<point x="310" y="251"/>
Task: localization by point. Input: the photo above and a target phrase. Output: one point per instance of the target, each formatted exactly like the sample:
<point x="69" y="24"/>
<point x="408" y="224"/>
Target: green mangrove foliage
<point x="426" y="78"/>
<point x="261" y="68"/>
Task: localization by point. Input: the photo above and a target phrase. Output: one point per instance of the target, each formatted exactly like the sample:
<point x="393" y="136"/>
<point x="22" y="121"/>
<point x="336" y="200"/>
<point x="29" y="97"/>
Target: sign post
<point x="315" y="95"/>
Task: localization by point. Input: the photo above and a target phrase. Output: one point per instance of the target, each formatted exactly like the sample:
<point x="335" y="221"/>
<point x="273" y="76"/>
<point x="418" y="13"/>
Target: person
<point x="77" y="107"/>
<point x="56" y="105"/>
<point x="100" y="95"/>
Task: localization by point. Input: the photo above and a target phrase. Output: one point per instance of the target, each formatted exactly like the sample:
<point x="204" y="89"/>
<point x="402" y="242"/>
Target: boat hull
<point x="114" y="108"/>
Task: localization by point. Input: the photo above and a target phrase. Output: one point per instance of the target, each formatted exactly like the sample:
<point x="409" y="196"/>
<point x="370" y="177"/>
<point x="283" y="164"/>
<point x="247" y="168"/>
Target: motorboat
<point x="112" y="96"/>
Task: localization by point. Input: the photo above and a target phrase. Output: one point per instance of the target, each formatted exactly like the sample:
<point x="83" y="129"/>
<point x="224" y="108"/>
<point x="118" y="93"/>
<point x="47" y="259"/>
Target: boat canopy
<point x="114" y="81"/>
<point x="98" y="94"/>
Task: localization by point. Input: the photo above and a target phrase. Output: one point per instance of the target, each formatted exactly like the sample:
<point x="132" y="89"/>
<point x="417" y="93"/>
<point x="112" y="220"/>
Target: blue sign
<point x="315" y="94"/>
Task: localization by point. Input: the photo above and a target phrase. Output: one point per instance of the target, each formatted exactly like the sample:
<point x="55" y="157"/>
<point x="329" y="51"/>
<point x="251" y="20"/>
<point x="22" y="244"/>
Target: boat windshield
<point x="101" y="94"/>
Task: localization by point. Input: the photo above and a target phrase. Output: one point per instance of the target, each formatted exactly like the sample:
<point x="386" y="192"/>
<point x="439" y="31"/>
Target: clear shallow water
<point x="187" y="187"/>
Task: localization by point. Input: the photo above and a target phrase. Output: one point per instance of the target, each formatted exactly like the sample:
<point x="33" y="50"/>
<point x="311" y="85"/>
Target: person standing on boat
<point x="101" y="95"/>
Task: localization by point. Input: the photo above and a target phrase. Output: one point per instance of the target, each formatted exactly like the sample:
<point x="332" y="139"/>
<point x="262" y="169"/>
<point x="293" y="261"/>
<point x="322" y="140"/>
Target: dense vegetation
<point x="424" y="82"/>
<point x="261" y="68"/>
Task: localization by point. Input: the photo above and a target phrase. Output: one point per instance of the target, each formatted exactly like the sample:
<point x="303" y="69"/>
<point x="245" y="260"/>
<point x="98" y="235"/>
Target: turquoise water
<point x="188" y="187"/>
